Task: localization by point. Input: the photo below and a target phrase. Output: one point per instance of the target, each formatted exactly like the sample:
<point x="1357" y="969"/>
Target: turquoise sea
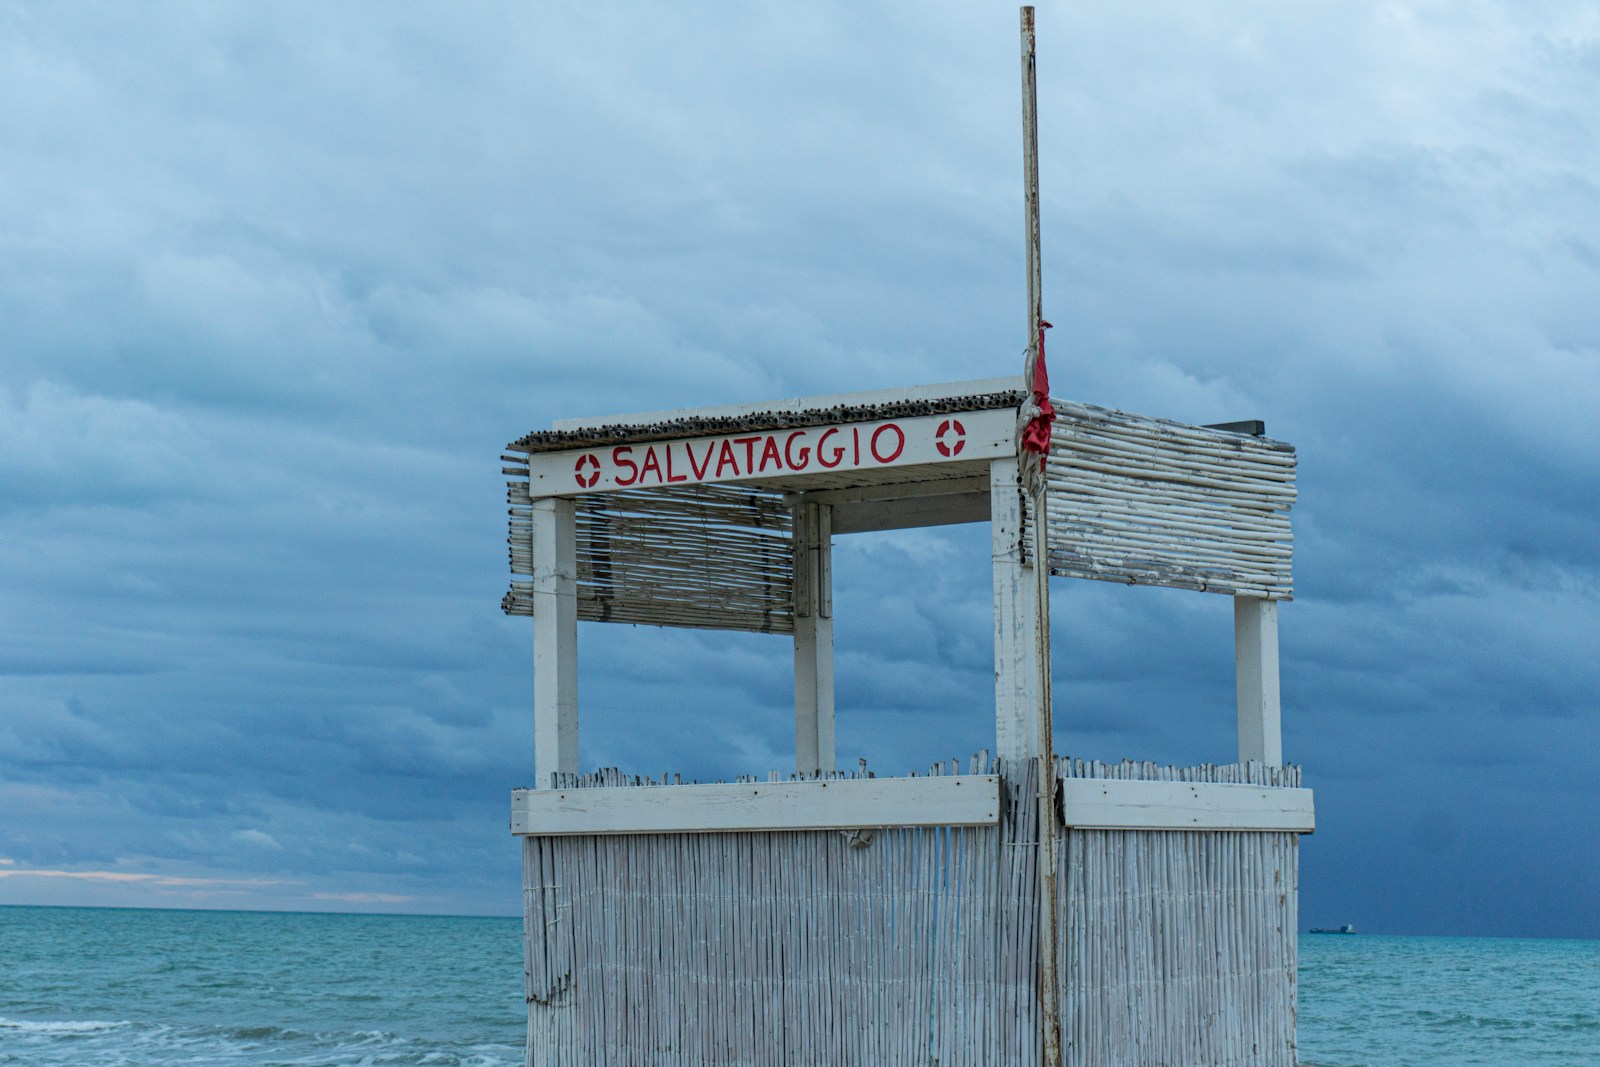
<point x="92" y="987"/>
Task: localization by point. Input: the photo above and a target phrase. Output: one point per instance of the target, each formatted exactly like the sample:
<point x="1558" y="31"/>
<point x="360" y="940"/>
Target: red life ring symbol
<point x="950" y="428"/>
<point x="586" y="471"/>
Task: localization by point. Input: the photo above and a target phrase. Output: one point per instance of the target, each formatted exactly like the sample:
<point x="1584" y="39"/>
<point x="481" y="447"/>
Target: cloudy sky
<point x="278" y="282"/>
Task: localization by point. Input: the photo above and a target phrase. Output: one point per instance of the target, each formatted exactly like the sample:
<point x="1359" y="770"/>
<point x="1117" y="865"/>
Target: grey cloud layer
<point x="277" y="283"/>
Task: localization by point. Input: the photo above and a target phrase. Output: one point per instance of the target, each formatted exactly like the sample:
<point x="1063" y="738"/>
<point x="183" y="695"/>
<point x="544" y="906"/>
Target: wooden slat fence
<point x="912" y="945"/>
<point x="1178" y="947"/>
<point x="760" y="949"/>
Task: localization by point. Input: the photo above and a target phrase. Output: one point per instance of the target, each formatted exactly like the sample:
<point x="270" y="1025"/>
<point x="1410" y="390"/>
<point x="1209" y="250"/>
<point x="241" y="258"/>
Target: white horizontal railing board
<point x="1112" y="804"/>
<point x="835" y="804"/>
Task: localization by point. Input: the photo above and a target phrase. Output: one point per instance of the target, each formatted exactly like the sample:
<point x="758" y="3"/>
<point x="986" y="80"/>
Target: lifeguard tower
<point x="1023" y="909"/>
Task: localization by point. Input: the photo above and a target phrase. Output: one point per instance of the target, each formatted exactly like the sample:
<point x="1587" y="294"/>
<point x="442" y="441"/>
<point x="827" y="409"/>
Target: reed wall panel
<point x="707" y="557"/>
<point x="1178" y="947"/>
<point x="905" y="946"/>
<point x="913" y="946"/>
<point x="1148" y="501"/>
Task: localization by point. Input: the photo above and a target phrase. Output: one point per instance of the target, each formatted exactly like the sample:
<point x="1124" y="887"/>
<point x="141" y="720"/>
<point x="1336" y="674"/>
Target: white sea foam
<point x="70" y="1026"/>
<point x="106" y="1043"/>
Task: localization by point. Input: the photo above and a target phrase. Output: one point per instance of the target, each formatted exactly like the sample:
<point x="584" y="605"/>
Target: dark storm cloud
<point x="278" y="283"/>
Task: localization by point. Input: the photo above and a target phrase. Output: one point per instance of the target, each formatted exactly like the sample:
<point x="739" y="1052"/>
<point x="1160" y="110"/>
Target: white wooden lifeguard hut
<point x="1024" y="909"/>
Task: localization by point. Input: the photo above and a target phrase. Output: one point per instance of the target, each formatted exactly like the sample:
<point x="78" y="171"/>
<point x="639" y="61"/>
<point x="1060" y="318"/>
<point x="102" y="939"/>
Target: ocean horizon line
<point x="1318" y="931"/>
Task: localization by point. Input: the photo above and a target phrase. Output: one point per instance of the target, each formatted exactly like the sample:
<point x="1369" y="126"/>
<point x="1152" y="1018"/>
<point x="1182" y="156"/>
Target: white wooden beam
<point x="837" y="804"/>
<point x="813" y="639"/>
<point x="878" y="491"/>
<point x="555" y="639"/>
<point x="1016" y="619"/>
<point x="912" y="513"/>
<point x="1112" y="804"/>
<point x="1255" y="653"/>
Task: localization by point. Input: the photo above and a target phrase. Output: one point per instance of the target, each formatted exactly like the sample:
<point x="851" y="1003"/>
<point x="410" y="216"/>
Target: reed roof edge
<point x="980" y="395"/>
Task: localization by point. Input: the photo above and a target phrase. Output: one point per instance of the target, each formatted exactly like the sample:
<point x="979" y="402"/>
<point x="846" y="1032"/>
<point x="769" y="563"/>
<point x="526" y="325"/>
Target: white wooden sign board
<point x="1114" y="804"/>
<point x="835" y="804"/>
<point x="776" y="454"/>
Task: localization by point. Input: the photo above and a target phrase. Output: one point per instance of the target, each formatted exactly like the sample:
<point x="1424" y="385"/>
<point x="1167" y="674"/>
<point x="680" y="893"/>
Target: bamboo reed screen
<point x="706" y="556"/>
<point x="917" y="946"/>
<point x="1152" y="502"/>
<point x="1130" y="499"/>
<point x="1178" y="947"/>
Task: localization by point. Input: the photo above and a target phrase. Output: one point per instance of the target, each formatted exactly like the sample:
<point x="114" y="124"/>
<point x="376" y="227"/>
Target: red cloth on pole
<point x="1036" y="435"/>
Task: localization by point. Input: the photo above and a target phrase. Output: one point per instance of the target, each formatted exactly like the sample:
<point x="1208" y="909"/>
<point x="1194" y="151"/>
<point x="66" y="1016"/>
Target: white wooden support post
<point x="1255" y="654"/>
<point x="813" y="638"/>
<point x="555" y="639"/>
<point x="1017" y="701"/>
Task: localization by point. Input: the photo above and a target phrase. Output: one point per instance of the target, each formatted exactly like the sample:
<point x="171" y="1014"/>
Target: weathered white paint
<point x="1109" y="804"/>
<point x="827" y="804"/>
<point x="868" y="398"/>
<point x="555" y="639"/>
<point x="1016" y="618"/>
<point x="774" y="456"/>
<point x="813" y="639"/>
<point x="1255" y="653"/>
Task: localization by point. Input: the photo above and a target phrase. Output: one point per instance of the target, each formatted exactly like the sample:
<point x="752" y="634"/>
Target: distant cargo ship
<point x="1345" y="929"/>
